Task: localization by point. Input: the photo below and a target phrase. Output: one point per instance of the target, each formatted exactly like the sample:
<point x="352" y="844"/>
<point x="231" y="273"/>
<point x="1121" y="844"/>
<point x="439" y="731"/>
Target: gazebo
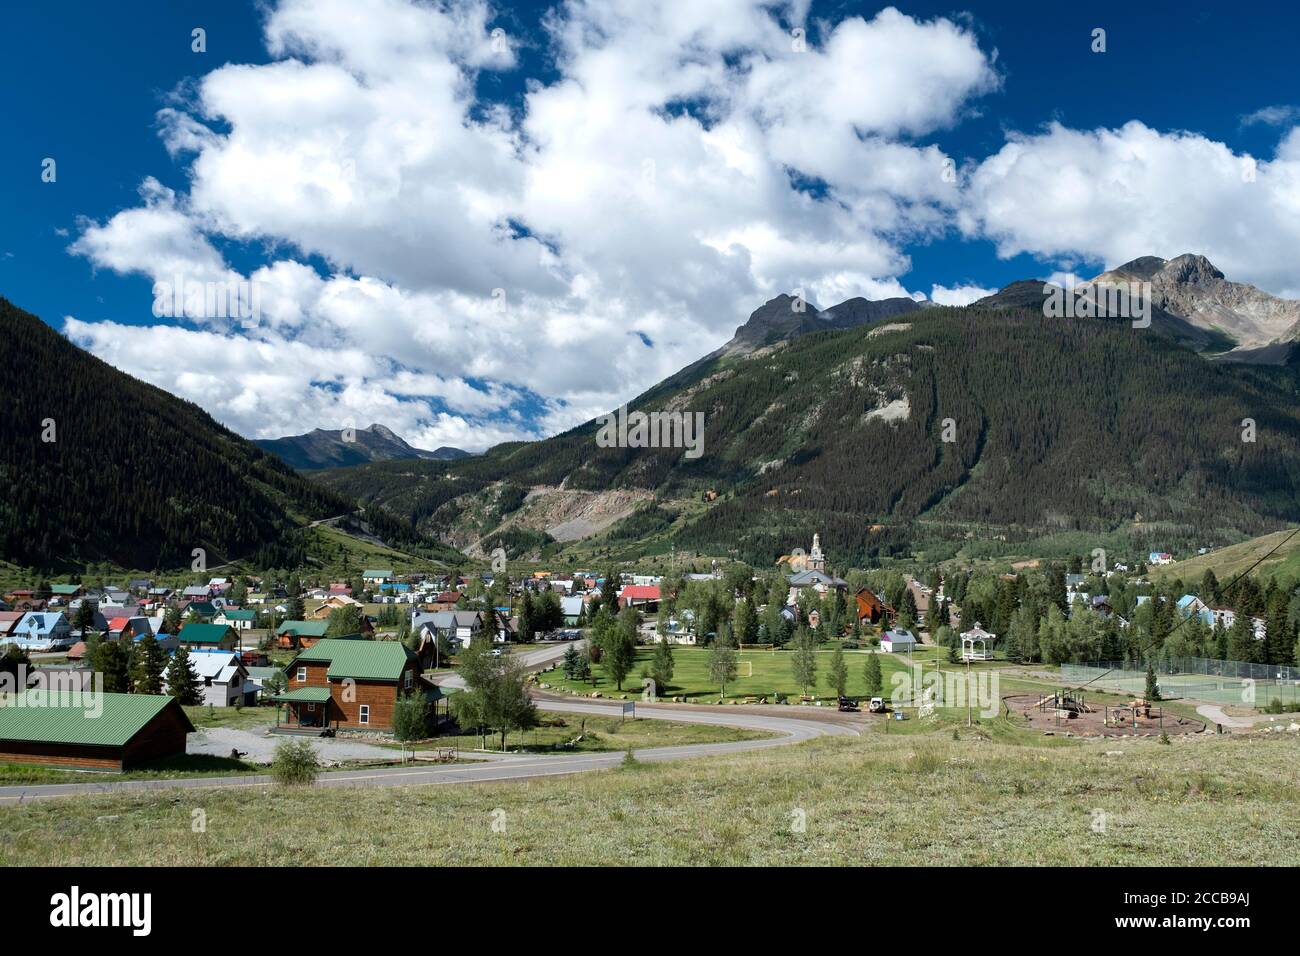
<point x="977" y="644"/>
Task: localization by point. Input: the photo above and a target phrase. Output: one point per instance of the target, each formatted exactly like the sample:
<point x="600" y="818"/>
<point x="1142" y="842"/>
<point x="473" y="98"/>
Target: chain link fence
<point x="1197" y="678"/>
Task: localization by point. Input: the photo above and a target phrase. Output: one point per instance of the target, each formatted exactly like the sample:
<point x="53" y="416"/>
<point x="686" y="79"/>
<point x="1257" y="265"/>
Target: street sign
<point x="629" y="709"/>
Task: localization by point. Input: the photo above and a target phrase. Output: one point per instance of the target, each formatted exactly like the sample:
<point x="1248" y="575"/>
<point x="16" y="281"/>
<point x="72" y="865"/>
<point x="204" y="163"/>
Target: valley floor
<point x="910" y="800"/>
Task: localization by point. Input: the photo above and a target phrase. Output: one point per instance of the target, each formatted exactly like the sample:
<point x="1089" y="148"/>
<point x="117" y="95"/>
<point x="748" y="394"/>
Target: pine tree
<point x="182" y="681"/>
<point x="872" y="676"/>
<point x="1153" y="686"/>
<point x="147" y="668"/>
<point x="111" y="660"/>
<point x="837" y="675"/>
<point x="722" y="664"/>
<point x="661" y="666"/>
<point x="803" y="665"/>
<point x="297" y="610"/>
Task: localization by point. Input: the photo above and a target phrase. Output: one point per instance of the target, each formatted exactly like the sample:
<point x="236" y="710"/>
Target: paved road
<point x="503" y="767"/>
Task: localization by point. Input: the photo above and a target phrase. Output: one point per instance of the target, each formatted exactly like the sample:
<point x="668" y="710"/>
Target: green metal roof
<point x="303" y="628"/>
<point x="361" y="660"/>
<point x="122" y="717"/>
<point x="312" y="695"/>
<point x="204" y="633"/>
<point x="65" y="588"/>
<point x="381" y="573"/>
<point x="234" y="615"/>
<point x="263" y="673"/>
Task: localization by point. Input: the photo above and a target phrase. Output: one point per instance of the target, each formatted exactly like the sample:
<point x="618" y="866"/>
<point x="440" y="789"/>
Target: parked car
<point x="848" y="704"/>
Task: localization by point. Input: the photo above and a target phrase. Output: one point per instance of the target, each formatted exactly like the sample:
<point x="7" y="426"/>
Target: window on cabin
<point x="302" y="675"/>
<point x="365" y="713"/>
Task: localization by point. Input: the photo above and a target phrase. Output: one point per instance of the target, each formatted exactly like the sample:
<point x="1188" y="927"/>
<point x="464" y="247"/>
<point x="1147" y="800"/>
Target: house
<point x="977" y="644"/>
<point x="220" y="636"/>
<point x="677" y="631"/>
<point x="1160" y="557"/>
<point x="65" y="592"/>
<point x="77" y="652"/>
<point x="1190" y="604"/>
<point x="898" y="640"/>
<point x="572" y="609"/>
<point x="376" y="576"/>
<point x="115" y="733"/>
<point x="8" y="621"/>
<point x="445" y="601"/>
<point x="135" y="626"/>
<point x="167" y="643"/>
<point x="293" y="634"/>
<point x="460" y="626"/>
<point x="819" y="581"/>
<point x="644" y="597"/>
<point x="43" y="631"/>
<point x="239" y="620"/>
<point x="259" y="676"/>
<point x="197" y="592"/>
<point x="224" y="678"/>
<point x="331" y="604"/>
<point x="349" y="684"/>
<point x="204" y="610"/>
<point x="871" y="608"/>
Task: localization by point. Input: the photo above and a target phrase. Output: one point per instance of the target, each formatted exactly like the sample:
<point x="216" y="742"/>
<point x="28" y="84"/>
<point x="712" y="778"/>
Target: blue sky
<point x="405" y="306"/>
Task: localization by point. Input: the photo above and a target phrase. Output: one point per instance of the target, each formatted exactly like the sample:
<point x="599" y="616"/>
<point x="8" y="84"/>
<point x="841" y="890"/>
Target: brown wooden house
<point x="348" y="683"/>
<point x="871" y="609"/>
<point x="91" y="731"/>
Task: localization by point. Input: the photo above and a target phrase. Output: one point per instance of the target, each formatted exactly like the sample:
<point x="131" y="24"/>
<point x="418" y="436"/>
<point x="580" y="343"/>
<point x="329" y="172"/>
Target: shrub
<point x="295" y="763"/>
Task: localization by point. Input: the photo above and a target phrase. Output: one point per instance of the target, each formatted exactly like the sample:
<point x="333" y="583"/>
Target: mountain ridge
<point x="338" y="448"/>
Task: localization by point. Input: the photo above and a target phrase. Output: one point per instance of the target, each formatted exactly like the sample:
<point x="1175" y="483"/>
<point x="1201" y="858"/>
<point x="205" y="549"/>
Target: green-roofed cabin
<point x="219" y="636"/>
<point x="97" y="732"/>
<point x="345" y="683"/>
<point x="292" y="635"/>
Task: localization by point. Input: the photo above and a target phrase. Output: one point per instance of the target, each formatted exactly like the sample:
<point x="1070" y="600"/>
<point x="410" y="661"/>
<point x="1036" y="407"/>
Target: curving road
<point x="786" y="730"/>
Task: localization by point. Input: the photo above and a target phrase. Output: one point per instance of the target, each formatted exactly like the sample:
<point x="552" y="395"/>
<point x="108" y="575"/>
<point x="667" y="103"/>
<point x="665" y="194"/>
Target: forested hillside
<point x="132" y="475"/>
<point x="1055" y="425"/>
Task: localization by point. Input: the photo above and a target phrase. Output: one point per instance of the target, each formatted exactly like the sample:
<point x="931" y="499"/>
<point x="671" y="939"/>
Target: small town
<point x="419" y="661"/>
<point x="444" y="436"/>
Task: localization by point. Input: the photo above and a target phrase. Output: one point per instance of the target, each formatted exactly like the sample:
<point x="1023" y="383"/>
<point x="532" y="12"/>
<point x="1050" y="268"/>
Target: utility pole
<point x="968" y="691"/>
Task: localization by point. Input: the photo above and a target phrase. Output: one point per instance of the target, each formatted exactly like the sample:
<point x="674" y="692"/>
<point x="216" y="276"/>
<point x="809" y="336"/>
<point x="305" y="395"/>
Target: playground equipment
<point x="1067" y="704"/>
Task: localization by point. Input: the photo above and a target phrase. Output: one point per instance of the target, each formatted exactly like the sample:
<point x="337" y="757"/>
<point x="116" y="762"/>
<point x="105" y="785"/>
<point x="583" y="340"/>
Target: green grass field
<point x="1228" y="562"/>
<point x="762" y="674"/>
<point x="872" y="800"/>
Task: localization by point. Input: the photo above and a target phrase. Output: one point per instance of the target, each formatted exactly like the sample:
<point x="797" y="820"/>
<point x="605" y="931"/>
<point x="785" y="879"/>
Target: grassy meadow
<point x="874" y="799"/>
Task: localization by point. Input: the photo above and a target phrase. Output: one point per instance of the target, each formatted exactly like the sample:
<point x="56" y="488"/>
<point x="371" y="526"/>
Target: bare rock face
<point x="1193" y="288"/>
<point x="788" y="317"/>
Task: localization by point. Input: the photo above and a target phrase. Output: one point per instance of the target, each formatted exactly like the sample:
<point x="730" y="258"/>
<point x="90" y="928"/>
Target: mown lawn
<point x="869" y="800"/>
<point x="242" y="718"/>
<point x="771" y="675"/>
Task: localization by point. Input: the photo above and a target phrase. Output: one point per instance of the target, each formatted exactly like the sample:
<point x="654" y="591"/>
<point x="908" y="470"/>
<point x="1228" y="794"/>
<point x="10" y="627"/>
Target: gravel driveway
<point x="259" y="748"/>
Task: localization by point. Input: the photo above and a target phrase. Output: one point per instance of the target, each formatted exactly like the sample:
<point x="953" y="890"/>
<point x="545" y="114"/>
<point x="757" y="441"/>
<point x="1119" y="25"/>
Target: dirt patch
<point x="1093" y="719"/>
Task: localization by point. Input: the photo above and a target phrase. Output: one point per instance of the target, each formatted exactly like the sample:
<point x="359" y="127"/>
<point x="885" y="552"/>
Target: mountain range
<point x="889" y="427"/>
<point x="886" y="426"/>
<point x="339" y="448"/>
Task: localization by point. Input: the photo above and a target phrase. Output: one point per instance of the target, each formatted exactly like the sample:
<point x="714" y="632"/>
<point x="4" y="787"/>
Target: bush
<point x="849" y="645"/>
<point x="295" y="763"/>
